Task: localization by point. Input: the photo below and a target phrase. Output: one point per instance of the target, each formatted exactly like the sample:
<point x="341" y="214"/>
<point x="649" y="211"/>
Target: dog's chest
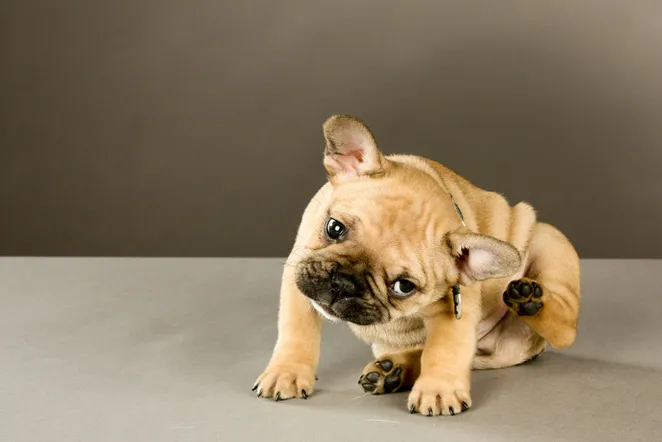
<point x="401" y="333"/>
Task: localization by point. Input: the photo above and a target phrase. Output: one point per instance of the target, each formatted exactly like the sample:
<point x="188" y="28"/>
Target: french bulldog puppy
<point x="439" y="276"/>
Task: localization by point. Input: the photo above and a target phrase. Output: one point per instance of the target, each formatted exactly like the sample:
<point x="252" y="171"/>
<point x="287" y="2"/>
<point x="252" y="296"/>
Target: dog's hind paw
<point x="524" y="296"/>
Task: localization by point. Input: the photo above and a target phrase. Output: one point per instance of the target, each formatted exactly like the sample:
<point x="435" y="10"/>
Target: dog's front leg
<point x="444" y="384"/>
<point x="291" y="370"/>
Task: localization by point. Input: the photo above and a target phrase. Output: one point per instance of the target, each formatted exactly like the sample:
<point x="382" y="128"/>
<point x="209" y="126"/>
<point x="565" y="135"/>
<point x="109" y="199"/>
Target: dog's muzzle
<point x="338" y="293"/>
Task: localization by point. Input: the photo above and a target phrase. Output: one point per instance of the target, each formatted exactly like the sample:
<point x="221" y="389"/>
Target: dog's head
<point x="389" y="240"/>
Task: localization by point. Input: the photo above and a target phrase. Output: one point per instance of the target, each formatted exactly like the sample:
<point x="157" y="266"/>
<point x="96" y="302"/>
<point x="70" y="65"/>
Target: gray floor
<point x="167" y="350"/>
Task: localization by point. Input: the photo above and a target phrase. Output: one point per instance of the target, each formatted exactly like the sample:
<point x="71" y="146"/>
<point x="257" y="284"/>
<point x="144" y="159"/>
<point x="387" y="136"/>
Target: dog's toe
<point x="386" y="365"/>
<point x="373" y="377"/>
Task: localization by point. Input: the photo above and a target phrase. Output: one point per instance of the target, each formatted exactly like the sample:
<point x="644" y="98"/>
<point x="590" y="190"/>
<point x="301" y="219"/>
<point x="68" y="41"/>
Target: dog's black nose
<point x="344" y="285"/>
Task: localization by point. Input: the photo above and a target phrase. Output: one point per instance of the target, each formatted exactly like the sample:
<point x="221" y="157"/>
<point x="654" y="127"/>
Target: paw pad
<point x="524" y="297"/>
<point x="381" y="377"/>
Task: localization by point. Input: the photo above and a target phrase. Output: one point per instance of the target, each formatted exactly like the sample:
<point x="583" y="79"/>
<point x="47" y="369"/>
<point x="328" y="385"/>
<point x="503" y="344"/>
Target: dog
<point x="439" y="276"/>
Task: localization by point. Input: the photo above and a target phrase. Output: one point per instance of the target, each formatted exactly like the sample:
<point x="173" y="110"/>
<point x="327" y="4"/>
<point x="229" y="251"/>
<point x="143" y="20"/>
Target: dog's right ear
<point x="351" y="150"/>
<point x="480" y="257"/>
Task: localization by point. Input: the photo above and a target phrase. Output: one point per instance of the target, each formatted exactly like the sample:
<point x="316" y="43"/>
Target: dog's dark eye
<point x="334" y="229"/>
<point x="403" y="287"/>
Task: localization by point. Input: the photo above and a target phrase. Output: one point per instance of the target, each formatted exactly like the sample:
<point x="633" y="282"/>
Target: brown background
<point x="193" y="128"/>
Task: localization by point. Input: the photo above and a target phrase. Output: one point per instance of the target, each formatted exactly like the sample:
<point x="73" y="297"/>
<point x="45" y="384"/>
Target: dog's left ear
<point x="481" y="257"/>
<point x="351" y="150"/>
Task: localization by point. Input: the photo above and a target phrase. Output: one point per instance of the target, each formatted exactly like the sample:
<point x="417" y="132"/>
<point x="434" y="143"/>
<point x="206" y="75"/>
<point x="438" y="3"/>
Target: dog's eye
<point x="334" y="229"/>
<point x="403" y="287"/>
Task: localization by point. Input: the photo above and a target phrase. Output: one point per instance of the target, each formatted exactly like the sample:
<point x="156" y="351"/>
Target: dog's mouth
<point x="325" y="311"/>
<point x="343" y="310"/>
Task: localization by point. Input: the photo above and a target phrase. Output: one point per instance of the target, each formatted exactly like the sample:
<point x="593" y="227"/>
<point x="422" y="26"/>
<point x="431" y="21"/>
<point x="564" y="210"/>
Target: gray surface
<point x="167" y="350"/>
<point x="176" y="128"/>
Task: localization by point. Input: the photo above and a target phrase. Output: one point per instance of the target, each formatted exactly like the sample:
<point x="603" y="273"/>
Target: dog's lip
<point x="325" y="311"/>
<point x="328" y="313"/>
<point x="360" y="322"/>
<point x="363" y="319"/>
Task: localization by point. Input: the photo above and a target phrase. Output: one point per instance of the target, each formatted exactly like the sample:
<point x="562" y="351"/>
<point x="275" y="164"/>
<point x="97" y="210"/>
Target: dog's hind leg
<point x="547" y="297"/>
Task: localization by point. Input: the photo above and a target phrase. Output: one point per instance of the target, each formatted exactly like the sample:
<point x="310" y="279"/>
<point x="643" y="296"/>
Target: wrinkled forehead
<point x="389" y="199"/>
<point x="394" y="215"/>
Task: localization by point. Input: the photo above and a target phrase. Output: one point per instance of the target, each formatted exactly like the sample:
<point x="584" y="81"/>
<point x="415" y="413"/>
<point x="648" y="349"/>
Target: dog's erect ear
<point x="351" y="150"/>
<point x="481" y="257"/>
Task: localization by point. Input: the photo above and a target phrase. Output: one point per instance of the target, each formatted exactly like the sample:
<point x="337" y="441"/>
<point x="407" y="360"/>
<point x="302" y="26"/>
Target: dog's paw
<point x="285" y="381"/>
<point x="431" y="397"/>
<point x="382" y="376"/>
<point x="524" y="297"/>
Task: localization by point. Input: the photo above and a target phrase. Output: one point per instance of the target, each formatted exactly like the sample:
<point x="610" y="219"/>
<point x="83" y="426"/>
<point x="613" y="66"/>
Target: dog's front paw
<point x="286" y="381"/>
<point x="432" y="397"/>
<point x="524" y="297"/>
<point x="382" y="376"/>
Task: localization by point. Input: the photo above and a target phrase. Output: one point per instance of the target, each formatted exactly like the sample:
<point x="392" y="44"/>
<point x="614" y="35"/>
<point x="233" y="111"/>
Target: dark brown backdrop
<point x="193" y="128"/>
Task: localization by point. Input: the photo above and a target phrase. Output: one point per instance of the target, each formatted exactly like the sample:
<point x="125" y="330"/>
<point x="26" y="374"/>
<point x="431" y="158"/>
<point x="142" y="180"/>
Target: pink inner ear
<point x="357" y="153"/>
<point x="473" y="262"/>
<point x="479" y="259"/>
<point x="348" y="161"/>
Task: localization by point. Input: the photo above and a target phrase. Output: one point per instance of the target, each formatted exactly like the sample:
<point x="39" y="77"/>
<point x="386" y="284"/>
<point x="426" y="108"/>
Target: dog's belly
<point x="508" y="342"/>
